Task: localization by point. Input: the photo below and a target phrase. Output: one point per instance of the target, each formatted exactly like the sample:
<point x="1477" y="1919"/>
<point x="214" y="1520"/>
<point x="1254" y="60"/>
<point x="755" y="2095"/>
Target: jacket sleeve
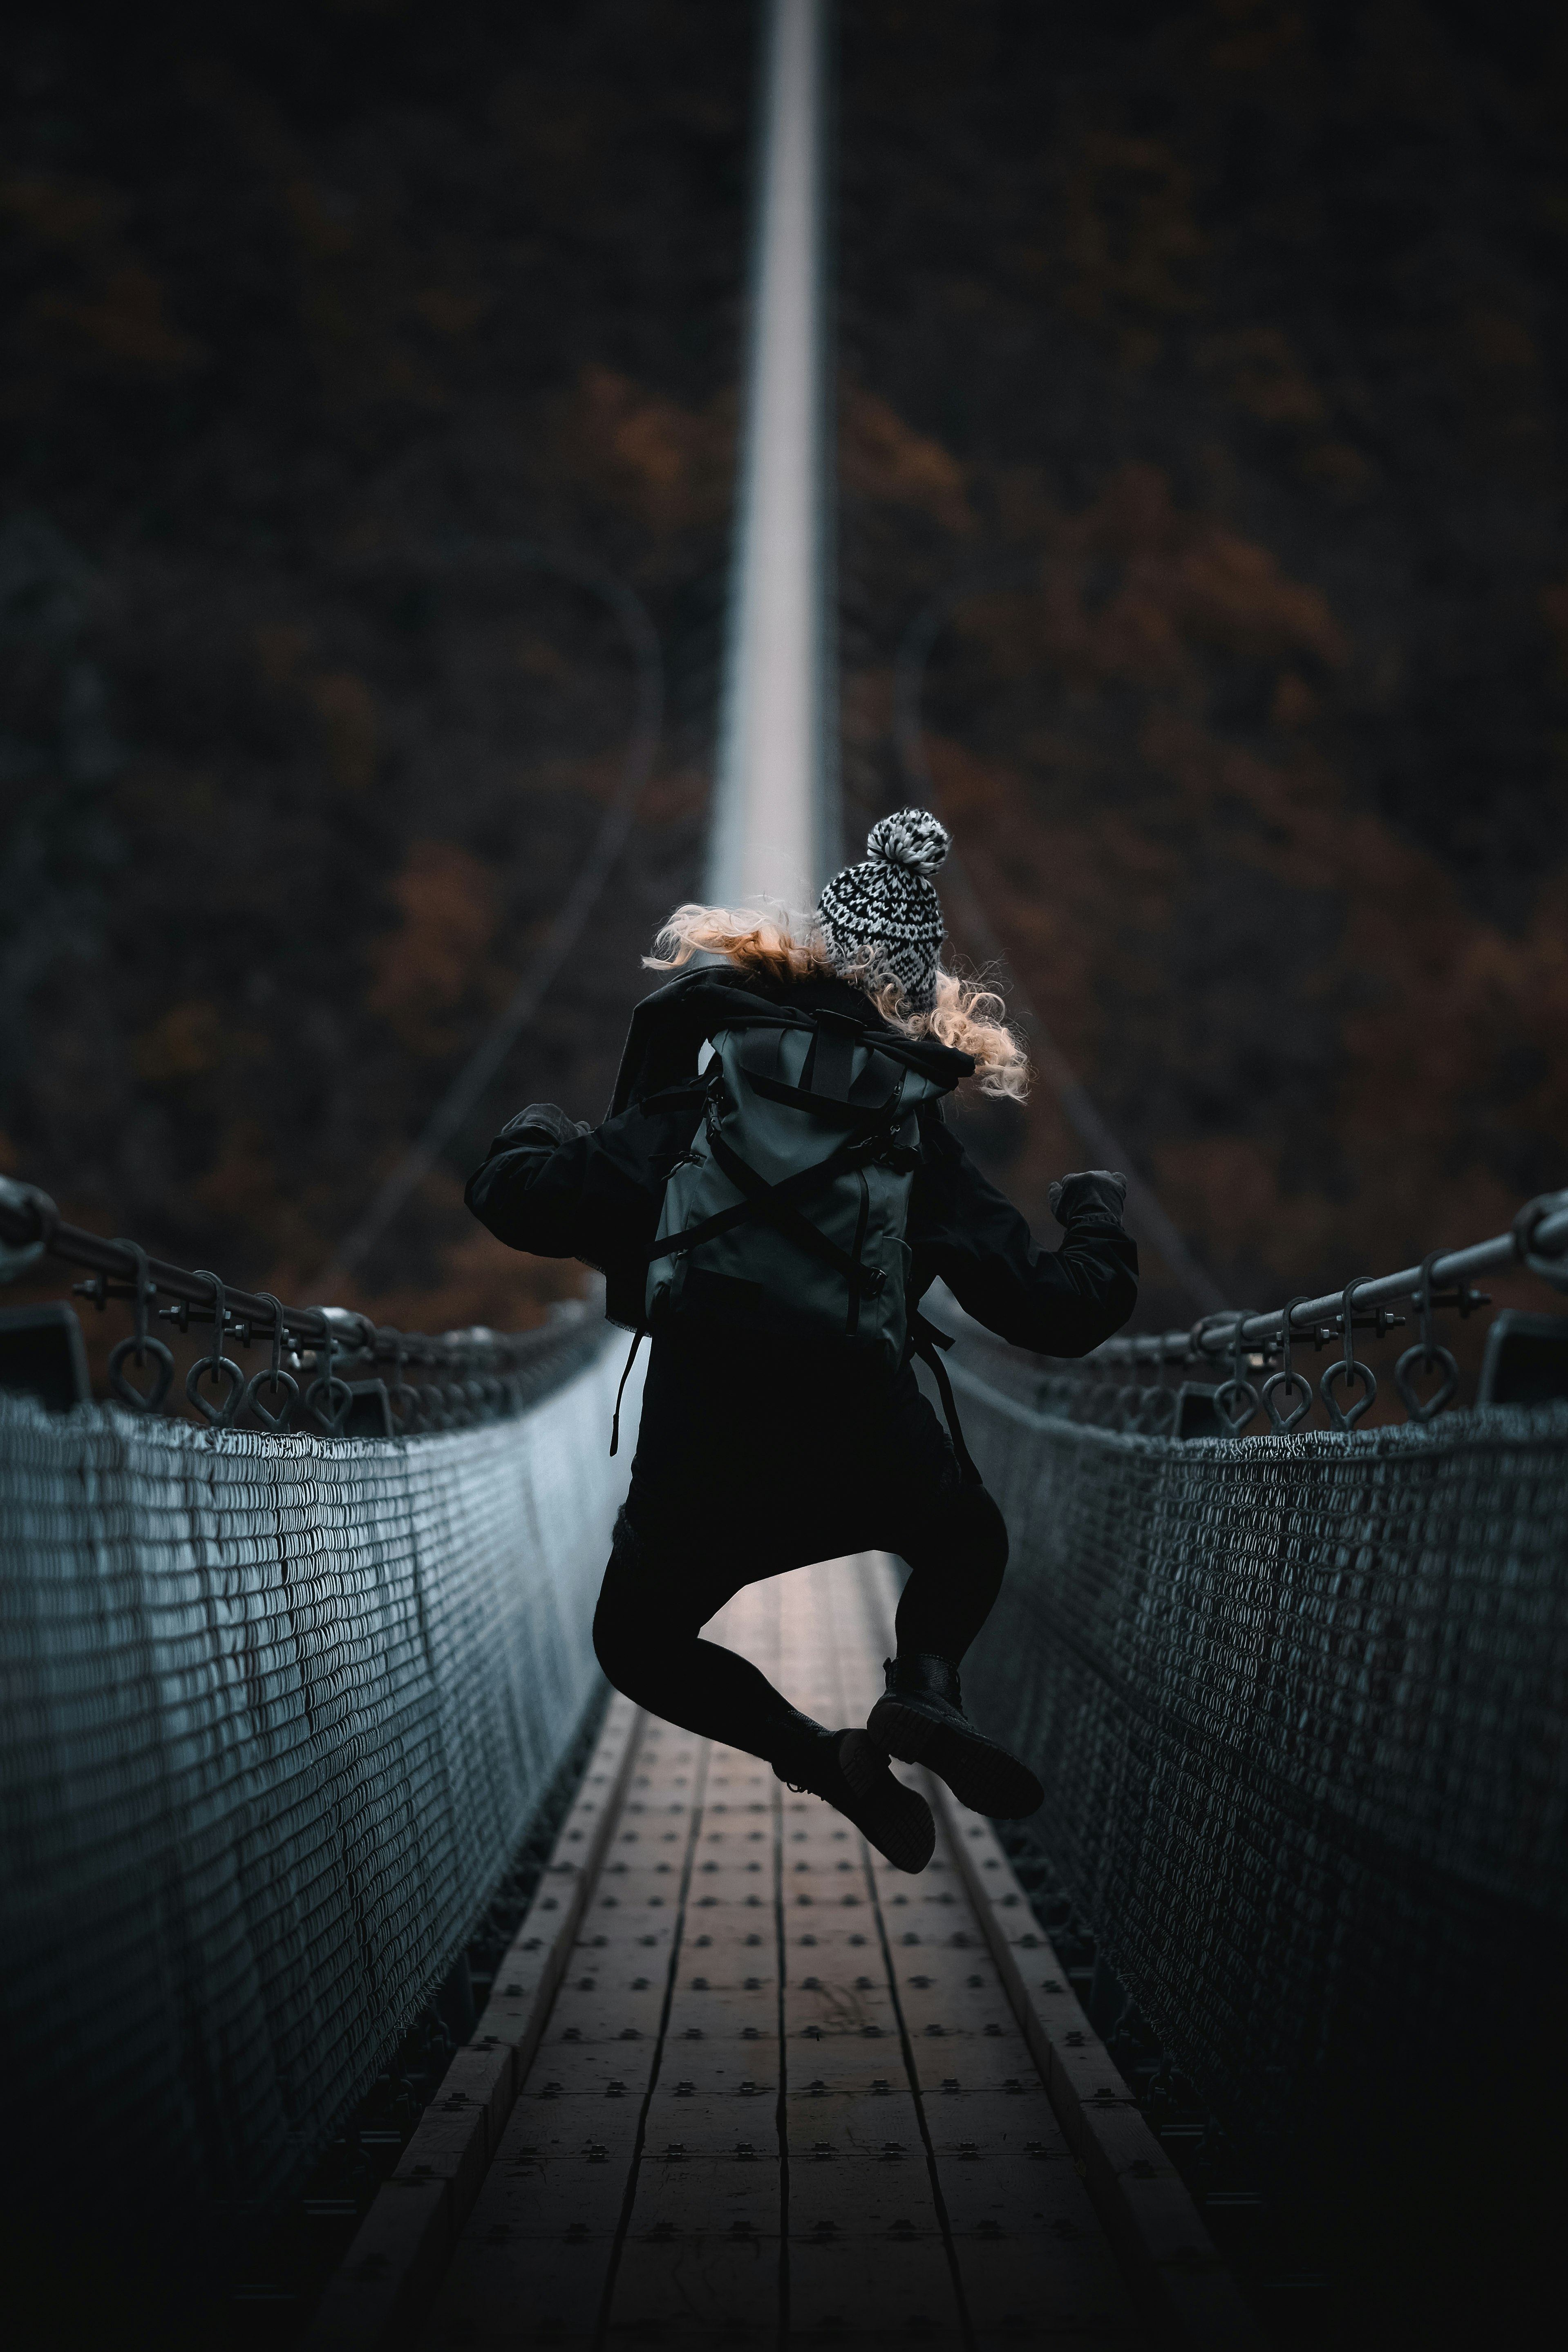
<point x="1059" y="1302"/>
<point x="592" y="1193"/>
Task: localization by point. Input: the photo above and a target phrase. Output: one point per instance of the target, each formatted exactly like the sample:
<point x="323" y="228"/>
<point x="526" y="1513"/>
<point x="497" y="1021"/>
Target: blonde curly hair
<point x="783" y="945"/>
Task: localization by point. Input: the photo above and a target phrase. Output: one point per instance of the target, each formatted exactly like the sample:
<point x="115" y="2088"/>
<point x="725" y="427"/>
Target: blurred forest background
<point x="1202" y="366"/>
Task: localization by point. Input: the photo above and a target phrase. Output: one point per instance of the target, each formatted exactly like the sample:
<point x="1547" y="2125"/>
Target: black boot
<point x="920" y="1719"/>
<point x="850" y="1772"/>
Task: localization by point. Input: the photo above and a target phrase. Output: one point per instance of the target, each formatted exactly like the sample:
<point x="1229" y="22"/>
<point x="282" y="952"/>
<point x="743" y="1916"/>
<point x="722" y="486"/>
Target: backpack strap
<point x="763" y="1197"/>
<point x="737" y="1008"/>
<point x="925" y="1341"/>
<point x="626" y="1375"/>
<point x="828" y="1086"/>
<point x="830" y="1057"/>
<point x="776" y="1202"/>
<point x="668" y="1027"/>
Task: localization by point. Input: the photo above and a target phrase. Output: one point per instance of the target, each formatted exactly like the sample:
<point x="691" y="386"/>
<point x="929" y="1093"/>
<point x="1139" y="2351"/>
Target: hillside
<point x="1205" y="364"/>
<point x="1213" y="359"/>
<point x="328" y="328"/>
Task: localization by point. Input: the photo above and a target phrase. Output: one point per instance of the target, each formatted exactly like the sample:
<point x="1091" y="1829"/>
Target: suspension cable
<point x="636" y="767"/>
<point x="1081" y="1114"/>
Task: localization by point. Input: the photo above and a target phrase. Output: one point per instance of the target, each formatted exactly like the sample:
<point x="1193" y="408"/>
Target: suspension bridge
<point x="336" y="1892"/>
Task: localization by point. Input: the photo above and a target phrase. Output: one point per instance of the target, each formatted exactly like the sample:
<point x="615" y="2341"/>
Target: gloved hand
<point x="546" y="1121"/>
<point x="1091" y="1188"/>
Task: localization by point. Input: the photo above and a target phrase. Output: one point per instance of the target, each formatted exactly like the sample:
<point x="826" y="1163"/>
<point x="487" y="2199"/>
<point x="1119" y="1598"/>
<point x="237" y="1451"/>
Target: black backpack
<point x="786" y="1216"/>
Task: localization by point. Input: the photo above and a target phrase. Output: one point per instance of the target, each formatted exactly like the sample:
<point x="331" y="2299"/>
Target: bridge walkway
<point x="739" y="2081"/>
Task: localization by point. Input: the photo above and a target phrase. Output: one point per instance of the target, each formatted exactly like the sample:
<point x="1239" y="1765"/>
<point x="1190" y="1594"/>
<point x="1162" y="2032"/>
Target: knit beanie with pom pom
<point x="887" y="911"/>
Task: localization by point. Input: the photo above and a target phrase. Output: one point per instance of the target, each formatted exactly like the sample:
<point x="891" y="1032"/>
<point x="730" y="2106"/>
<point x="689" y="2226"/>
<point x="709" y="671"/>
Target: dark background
<point x="1213" y="351"/>
<point x="308" y="306"/>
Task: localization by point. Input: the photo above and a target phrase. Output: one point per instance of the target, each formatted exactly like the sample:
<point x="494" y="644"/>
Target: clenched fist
<point x="546" y="1121"/>
<point x="1098" y="1188"/>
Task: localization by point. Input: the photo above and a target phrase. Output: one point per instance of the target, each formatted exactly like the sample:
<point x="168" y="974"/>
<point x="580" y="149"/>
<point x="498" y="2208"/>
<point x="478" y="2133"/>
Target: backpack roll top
<point x="787" y="1215"/>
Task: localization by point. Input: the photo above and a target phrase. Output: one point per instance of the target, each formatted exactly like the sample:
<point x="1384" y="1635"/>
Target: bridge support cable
<point x="775" y="825"/>
<point x="1077" y="1106"/>
<point x="636" y="767"/>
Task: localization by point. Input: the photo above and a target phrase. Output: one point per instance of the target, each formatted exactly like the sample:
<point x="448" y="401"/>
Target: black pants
<point x="731" y="1484"/>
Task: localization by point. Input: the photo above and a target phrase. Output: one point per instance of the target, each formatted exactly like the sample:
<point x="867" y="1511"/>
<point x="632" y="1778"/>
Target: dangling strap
<point x="626" y="1376"/>
<point x="926" y="1342"/>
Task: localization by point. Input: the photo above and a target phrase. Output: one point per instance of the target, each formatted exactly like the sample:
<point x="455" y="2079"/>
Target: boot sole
<point x="981" y="1775"/>
<point x="898" y="1820"/>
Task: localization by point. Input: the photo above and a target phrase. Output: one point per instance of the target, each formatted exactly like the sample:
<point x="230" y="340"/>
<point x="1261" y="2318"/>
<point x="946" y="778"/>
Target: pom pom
<point x="912" y="838"/>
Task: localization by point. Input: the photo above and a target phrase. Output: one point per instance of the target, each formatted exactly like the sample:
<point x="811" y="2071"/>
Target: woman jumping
<point x="771" y="1195"/>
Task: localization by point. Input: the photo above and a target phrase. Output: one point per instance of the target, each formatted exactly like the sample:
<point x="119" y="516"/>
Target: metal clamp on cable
<point x="28" y="1219"/>
<point x="274" y="1378"/>
<point x="403" y="1401"/>
<point x="1546" y="1208"/>
<point x="1219" y="1326"/>
<point x="329" y="1396"/>
<point x="1349" y="1368"/>
<point x="1288" y="1381"/>
<point x="1426" y="1355"/>
<point x="227" y="1374"/>
<point x="141" y="1345"/>
<point x="1236" y="1400"/>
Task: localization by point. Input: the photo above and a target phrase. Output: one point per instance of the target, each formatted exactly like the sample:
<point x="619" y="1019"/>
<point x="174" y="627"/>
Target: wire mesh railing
<point x="1297" y="1706"/>
<point x="277" y="1704"/>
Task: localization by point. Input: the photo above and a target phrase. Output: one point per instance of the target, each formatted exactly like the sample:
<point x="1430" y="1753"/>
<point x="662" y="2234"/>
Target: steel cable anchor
<point x="222" y="1414"/>
<point x="398" y="1389"/>
<point x="141" y="1344"/>
<point x="1426" y="1350"/>
<point x="1533" y="1214"/>
<point x="1349" y="1368"/>
<point x="1237" y="1387"/>
<point x="329" y="1386"/>
<point x="17" y="1257"/>
<point x="275" y="1377"/>
<point x="1288" y="1378"/>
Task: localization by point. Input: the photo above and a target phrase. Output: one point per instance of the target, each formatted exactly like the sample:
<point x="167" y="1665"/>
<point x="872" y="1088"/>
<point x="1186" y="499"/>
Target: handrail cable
<point x="1537" y="1240"/>
<point x="31" y="1227"/>
<point x="1081" y="1114"/>
<point x="636" y="767"/>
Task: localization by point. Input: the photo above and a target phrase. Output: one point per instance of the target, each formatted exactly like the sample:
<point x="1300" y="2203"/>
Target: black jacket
<point x="594" y="1193"/>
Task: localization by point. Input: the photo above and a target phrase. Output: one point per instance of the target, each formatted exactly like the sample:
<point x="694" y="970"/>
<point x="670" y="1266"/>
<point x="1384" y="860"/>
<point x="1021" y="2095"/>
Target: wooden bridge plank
<point x="700" y="2257"/>
<point x="1138" y="2204"/>
<point x="1027" y="2245"/>
<point x="868" y="2253"/>
<point x="542" y="2231"/>
<point x="400" y="2249"/>
<point x="894" y="2287"/>
<point x="924" y="2187"/>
